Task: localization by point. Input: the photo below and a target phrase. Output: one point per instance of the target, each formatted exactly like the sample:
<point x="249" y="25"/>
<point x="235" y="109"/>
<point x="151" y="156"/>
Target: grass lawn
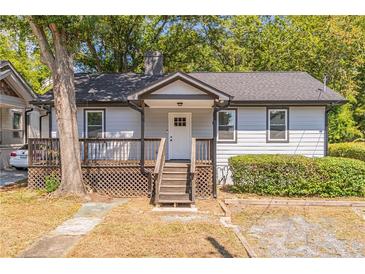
<point x="26" y="215"/>
<point x="133" y="230"/>
<point x="302" y="231"/>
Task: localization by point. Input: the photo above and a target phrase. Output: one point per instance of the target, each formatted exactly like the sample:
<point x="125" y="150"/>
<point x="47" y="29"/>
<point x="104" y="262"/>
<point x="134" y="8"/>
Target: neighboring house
<point x="227" y="113"/>
<point x="18" y="119"/>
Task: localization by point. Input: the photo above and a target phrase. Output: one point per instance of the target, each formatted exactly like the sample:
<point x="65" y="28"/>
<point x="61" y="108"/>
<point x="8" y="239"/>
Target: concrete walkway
<point x="59" y="241"/>
<point x="12" y="176"/>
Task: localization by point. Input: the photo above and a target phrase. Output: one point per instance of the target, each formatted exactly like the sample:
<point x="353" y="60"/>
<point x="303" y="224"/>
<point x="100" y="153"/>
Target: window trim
<point x="103" y="119"/>
<point x="17" y="131"/>
<point x="234" y="140"/>
<point x="286" y="140"/>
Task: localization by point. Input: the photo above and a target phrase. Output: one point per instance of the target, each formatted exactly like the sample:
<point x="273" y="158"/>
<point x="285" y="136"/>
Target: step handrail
<point x="160" y="162"/>
<point x="192" y="168"/>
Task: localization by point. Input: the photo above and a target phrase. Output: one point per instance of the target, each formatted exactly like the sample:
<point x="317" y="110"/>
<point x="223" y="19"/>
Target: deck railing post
<point x="30" y="156"/>
<point x="192" y="168"/>
<point x="214" y="154"/>
<point x="86" y="151"/>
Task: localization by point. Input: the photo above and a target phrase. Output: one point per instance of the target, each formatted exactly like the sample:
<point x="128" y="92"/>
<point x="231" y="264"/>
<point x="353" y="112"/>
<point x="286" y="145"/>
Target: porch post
<point x="142" y="135"/>
<point x="214" y="152"/>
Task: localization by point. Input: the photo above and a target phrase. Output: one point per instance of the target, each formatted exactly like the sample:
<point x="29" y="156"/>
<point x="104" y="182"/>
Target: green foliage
<point x="320" y="45"/>
<point x="348" y="150"/>
<point x="286" y="175"/>
<point x="51" y="183"/>
<point x="17" y="46"/>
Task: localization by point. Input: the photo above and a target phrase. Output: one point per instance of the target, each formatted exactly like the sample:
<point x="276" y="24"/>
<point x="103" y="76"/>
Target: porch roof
<point x="241" y="87"/>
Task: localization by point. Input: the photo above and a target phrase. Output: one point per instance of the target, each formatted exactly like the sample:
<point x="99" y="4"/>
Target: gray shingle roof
<point x="269" y="86"/>
<point x="244" y="87"/>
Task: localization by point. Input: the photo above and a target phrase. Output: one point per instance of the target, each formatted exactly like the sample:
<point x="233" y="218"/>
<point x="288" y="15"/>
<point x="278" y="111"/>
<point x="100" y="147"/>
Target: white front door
<point x="179" y="135"/>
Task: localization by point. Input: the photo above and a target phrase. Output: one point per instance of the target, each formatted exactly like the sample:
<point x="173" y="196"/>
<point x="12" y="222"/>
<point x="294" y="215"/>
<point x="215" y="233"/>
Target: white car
<point x="19" y="158"/>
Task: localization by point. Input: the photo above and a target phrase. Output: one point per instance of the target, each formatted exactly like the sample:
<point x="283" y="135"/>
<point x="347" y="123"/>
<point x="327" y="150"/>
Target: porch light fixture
<point x="179" y="104"/>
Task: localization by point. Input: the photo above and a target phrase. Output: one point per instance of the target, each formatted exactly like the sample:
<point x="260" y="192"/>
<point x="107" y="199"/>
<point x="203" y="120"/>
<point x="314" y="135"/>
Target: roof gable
<point x="196" y="87"/>
<point x="15" y="81"/>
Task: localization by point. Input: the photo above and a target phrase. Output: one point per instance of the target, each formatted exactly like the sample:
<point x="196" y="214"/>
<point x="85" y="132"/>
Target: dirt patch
<point x="224" y="193"/>
<point x="302" y="231"/>
<point x="27" y="215"/>
<point x="133" y="230"/>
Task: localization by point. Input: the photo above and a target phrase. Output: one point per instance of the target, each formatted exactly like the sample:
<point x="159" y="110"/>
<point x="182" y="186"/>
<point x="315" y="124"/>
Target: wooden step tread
<point x="174" y="193"/>
<point x="175" y="172"/>
<point x="177" y="164"/>
<point x="173" y="179"/>
<point x="175" y="201"/>
<point x="174" y="186"/>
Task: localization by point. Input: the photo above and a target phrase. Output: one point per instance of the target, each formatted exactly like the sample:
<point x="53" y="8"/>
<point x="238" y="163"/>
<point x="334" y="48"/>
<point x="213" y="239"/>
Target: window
<point x="227" y="125"/>
<point x="277" y="125"/>
<point x="94" y="123"/>
<point x="180" y="122"/>
<point x="16" y="124"/>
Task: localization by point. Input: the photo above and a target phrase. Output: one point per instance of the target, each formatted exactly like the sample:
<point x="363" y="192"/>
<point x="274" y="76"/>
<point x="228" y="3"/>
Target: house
<point x="170" y="135"/>
<point x="18" y="119"/>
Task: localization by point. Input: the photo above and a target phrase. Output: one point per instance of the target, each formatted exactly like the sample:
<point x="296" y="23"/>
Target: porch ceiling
<point x="176" y="103"/>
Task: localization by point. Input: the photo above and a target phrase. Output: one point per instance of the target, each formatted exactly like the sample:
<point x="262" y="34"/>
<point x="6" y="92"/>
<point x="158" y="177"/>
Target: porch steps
<point x="174" y="188"/>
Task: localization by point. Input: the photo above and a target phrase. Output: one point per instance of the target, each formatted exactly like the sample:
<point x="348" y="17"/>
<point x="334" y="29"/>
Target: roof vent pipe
<point x="153" y="63"/>
<point x="325" y="83"/>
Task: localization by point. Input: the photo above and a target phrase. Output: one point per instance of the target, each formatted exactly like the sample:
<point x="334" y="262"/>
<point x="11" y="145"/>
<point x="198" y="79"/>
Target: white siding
<point x="156" y="122"/>
<point x="306" y="135"/>
<point x="179" y="87"/>
<point x="33" y="128"/>
<point x="121" y="122"/>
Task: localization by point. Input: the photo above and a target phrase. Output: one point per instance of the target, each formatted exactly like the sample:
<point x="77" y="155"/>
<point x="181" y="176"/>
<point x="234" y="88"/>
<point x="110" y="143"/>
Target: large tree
<point x="57" y="40"/>
<point x="321" y="45"/>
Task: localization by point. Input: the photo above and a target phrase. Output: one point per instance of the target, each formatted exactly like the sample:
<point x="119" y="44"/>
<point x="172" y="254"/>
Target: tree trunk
<point x="60" y="62"/>
<point x="65" y="106"/>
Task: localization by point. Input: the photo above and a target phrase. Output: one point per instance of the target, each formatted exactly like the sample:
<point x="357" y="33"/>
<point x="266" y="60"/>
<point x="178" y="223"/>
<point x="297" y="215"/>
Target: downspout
<point x="26" y="124"/>
<point x="327" y="110"/>
<point x="141" y="111"/>
<point x="50" y="123"/>
<point x="40" y="121"/>
<point x="215" y="111"/>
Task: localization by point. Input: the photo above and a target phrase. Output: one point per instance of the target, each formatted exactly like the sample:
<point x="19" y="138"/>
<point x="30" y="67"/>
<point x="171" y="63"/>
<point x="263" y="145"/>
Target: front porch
<point x="125" y="167"/>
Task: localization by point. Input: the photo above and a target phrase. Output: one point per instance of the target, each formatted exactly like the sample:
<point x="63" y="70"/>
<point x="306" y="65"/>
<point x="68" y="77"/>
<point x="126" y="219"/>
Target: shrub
<point x="285" y="175"/>
<point x="51" y="183"/>
<point x="355" y="150"/>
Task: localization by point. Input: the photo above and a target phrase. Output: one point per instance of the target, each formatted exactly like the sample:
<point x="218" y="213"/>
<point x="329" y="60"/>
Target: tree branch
<point x="93" y="52"/>
<point x="47" y="56"/>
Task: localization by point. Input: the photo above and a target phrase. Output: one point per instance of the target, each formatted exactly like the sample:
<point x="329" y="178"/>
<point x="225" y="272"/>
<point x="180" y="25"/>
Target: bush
<point x="51" y="183"/>
<point x="285" y="175"/>
<point x="348" y="150"/>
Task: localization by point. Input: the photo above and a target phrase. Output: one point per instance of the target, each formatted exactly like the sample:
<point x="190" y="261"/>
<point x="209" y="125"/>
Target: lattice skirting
<point x="204" y="182"/>
<point x="120" y="181"/>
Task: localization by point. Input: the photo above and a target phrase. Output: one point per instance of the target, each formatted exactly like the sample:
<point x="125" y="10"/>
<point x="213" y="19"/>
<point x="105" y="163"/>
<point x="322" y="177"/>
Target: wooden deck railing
<point x="46" y="151"/>
<point x="203" y="151"/>
<point x="160" y="162"/>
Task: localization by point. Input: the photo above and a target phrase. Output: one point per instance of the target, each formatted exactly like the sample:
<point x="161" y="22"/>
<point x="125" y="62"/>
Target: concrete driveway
<point x="12" y="176"/>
